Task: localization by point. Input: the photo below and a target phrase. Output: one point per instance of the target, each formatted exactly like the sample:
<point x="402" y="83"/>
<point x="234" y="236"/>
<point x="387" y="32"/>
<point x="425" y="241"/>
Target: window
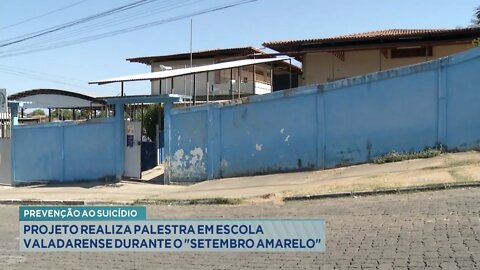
<point x="411" y="52"/>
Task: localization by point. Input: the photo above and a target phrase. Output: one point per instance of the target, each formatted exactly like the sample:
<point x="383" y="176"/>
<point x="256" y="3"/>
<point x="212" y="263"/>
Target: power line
<point x="140" y="14"/>
<point x="76" y="22"/>
<point x="43" y="15"/>
<point x="129" y="29"/>
<point x="47" y="77"/>
<point x="82" y="20"/>
<point x="35" y="77"/>
<point x="39" y="73"/>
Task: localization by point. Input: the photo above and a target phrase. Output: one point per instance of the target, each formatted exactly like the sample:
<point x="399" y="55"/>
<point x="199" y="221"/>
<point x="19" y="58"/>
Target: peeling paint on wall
<point x="191" y="165"/>
<point x="258" y="147"/>
<point x="223" y="164"/>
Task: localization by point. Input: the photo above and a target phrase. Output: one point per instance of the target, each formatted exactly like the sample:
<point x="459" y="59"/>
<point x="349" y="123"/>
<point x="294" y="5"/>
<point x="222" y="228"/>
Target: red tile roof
<point x="394" y="34"/>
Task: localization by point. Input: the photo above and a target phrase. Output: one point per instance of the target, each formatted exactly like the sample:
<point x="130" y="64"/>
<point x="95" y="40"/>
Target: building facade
<point x="221" y="84"/>
<point x="334" y="58"/>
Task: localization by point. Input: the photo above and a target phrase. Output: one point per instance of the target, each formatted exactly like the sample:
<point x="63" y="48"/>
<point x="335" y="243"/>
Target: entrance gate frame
<point x="120" y="102"/>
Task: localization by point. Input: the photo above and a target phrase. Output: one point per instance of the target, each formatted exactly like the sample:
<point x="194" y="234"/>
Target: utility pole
<point x="191" y="42"/>
<point x="192" y="77"/>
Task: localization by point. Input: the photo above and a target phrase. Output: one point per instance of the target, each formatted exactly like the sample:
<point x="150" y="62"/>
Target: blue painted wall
<point x="323" y="126"/>
<point x="190" y="145"/>
<point x="65" y="152"/>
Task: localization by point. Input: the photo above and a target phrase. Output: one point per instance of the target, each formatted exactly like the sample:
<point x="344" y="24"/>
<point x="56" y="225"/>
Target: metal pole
<point x="171" y="89"/>
<point x="185" y="81"/>
<point x="290" y="70"/>
<point x="380" y="60"/>
<point x="122" y="93"/>
<point x="191" y="42"/>
<point x="207" y="90"/>
<point x="231" y="81"/>
<point x="272" y="70"/>
<point x="239" y="81"/>
<point x="192" y="79"/>
<point x="141" y="122"/>
<point x="194" y="89"/>
<point x="254" y="78"/>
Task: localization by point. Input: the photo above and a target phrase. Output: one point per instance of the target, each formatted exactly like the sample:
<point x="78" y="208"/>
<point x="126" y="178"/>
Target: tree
<point x="476" y="17"/>
<point x="83" y="114"/>
<point x="150" y="120"/>
<point x="62" y="114"/>
<point x="36" y="113"/>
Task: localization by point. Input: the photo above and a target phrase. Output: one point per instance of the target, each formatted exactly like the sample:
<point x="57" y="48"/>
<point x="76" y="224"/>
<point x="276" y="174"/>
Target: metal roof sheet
<point x="188" y="71"/>
<point x="54" y="98"/>
<point x="226" y="53"/>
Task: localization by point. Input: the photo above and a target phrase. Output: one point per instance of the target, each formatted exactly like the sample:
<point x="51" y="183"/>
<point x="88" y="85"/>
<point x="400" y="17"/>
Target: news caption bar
<point x="111" y="228"/>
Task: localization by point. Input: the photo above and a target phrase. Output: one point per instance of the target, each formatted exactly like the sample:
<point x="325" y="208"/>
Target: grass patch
<point x="458" y="163"/>
<point x="211" y="201"/>
<point x="457" y="176"/>
<point x="395" y="156"/>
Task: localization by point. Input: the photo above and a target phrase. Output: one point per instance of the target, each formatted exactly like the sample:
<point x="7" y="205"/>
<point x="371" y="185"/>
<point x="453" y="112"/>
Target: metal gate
<point x="133" y="146"/>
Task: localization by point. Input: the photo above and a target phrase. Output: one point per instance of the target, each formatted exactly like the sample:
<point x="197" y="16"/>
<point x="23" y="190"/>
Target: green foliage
<point x="62" y="114"/>
<point x="36" y="113"/>
<point x="476" y="17"/>
<point x="150" y="120"/>
<point x="400" y="156"/>
<point x="67" y="114"/>
<point x="477" y="14"/>
<point x="83" y="114"/>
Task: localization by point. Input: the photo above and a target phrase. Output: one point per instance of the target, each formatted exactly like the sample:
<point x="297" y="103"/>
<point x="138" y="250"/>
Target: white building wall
<point x="219" y="79"/>
<point x="181" y="85"/>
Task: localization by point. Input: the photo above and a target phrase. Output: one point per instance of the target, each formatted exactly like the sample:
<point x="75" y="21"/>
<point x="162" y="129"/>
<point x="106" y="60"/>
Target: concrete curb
<point x="63" y="202"/>
<point x="207" y="201"/>
<point x="291" y="198"/>
<point x="383" y="191"/>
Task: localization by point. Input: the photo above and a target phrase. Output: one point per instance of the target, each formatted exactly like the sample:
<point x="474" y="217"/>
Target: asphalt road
<point x="431" y="230"/>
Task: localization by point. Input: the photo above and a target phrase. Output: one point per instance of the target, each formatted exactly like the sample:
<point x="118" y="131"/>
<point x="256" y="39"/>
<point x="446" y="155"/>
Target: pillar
<point x="120" y="140"/>
<point x="13" y="123"/>
<point x="167" y="109"/>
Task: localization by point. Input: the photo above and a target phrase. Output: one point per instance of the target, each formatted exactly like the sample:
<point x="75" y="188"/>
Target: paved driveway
<point x="415" y="231"/>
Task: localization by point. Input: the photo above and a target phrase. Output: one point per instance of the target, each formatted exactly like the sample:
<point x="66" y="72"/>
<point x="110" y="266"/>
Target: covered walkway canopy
<point x="55" y="99"/>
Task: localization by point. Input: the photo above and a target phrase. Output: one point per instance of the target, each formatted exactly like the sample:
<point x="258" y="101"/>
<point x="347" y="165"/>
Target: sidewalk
<point x="444" y="169"/>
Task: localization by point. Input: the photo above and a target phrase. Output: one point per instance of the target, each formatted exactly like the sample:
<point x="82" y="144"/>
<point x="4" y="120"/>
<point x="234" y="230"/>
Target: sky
<point x="250" y="24"/>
